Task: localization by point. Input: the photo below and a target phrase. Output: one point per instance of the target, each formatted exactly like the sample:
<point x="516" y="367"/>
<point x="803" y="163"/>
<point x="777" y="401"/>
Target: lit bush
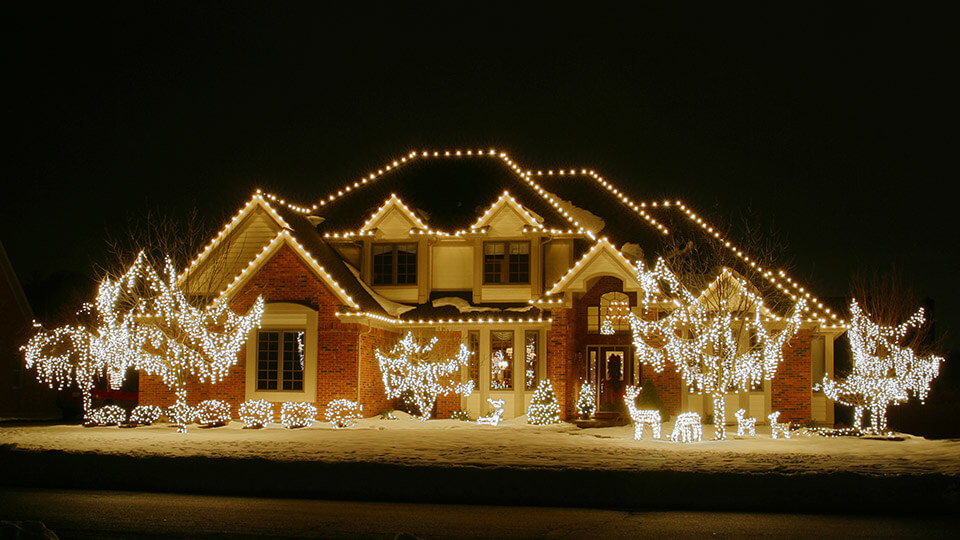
<point x="111" y="415"/>
<point x="213" y="413"/>
<point x="343" y="413"/>
<point x="297" y="414"/>
<point x="256" y="413"/>
<point x="144" y="415"/>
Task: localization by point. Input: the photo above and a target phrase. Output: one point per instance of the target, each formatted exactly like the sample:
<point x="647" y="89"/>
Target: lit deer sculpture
<point x="778" y="430"/>
<point x="687" y="428"/>
<point x="641" y="417"/>
<point x="497" y="415"/>
<point x="745" y="426"/>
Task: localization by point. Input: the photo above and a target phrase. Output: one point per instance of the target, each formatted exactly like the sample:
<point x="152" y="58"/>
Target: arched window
<point x="611" y="316"/>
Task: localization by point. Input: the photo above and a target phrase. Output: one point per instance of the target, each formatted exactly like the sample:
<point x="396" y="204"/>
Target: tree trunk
<point x="719" y="417"/>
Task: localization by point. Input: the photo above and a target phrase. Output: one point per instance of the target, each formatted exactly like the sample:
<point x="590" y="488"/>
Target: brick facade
<point x="791" y="387"/>
<point x="561" y="356"/>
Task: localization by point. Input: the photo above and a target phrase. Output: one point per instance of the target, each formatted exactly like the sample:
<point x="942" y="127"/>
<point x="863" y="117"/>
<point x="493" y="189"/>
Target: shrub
<point x="297" y="414"/>
<point x="343" y="413"/>
<point x="256" y="413"/>
<point x="110" y="415"/>
<point x="144" y="415"/>
<point x="213" y="413"/>
<point x="460" y="415"/>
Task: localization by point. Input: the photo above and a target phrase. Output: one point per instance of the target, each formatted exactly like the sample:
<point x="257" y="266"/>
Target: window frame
<point x="395" y="265"/>
<point x="281" y="371"/>
<point x="511" y="361"/>
<point x="505" y="273"/>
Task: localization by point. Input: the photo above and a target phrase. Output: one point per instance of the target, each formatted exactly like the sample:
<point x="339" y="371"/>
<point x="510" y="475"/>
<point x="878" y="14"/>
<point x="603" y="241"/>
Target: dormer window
<point x="506" y="262"/>
<point x="395" y="264"/>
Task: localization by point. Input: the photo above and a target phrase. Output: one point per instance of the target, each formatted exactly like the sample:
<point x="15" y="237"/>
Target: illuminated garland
<point x="110" y="415"/>
<point x="778" y="430"/>
<point x="687" y="428"/>
<point x="213" y="413"/>
<point x="144" y="415"/>
<point x="884" y="371"/>
<point x="587" y="400"/>
<point x="412" y="369"/>
<point x="496" y="416"/>
<point x="297" y="414"/>
<point x="543" y="406"/>
<point x="343" y="413"/>
<point x="256" y="413"/>
<point x="745" y="426"/>
<point x="716" y="340"/>
<point x="641" y="417"/>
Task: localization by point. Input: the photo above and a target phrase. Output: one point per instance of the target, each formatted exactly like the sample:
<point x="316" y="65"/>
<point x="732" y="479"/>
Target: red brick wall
<point x="448" y="346"/>
<point x="791" y="386"/>
<point x="372" y="395"/>
<point x="668" y="384"/>
<point x="561" y="356"/>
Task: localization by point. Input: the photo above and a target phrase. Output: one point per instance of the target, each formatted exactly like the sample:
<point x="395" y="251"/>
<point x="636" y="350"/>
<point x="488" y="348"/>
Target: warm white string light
<point x="884" y="371"/>
<point x="496" y="416"/>
<point x="587" y="399"/>
<point x="413" y="369"/>
<point x="544" y="408"/>
<point x="109" y="415"/>
<point x="778" y="430"/>
<point x="641" y="417"/>
<point x="745" y="426"/>
<point x="213" y="413"/>
<point x="144" y="415"/>
<point x="717" y="340"/>
<point x="343" y="413"/>
<point x="297" y="414"/>
<point x="687" y="428"/>
<point x="256" y="413"/>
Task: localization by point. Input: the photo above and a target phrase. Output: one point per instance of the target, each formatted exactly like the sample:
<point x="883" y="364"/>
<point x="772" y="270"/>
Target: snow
<point x="513" y="444"/>
<point x="462" y="305"/>
<point x="395" y="309"/>
<point x="588" y="220"/>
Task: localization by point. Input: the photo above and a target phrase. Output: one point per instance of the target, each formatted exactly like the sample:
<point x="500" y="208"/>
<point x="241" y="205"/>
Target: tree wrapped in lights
<point x="587" y="400"/>
<point x="544" y="408"/>
<point x="718" y="340"/>
<point x="885" y="371"/>
<point x="414" y="369"/>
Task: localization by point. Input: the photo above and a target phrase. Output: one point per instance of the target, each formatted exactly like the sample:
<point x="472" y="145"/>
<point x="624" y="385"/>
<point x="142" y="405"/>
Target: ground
<point x="513" y="444"/>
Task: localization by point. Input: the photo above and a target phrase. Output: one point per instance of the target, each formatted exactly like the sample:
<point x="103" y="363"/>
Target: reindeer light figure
<point x="687" y="428"/>
<point x="745" y="425"/>
<point x="497" y="415"/>
<point x="778" y="430"/>
<point x="641" y="417"/>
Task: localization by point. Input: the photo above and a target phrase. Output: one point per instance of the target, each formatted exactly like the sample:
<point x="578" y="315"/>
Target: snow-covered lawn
<point x="513" y="444"/>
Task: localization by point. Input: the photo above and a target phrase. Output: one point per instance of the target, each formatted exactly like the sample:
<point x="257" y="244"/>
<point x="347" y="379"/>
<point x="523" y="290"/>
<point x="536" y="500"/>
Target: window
<point x="531" y="351"/>
<point x="280" y="355"/>
<point x="611" y="316"/>
<point x="473" y="344"/>
<point x="501" y="360"/>
<point x="506" y="262"/>
<point x="394" y="264"/>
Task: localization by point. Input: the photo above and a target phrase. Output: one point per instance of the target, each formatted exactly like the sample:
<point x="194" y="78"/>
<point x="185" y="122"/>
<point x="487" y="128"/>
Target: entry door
<point x="610" y="368"/>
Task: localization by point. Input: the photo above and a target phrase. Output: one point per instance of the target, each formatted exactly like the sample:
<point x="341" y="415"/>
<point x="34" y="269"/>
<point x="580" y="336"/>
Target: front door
<point x="609" y="367"/>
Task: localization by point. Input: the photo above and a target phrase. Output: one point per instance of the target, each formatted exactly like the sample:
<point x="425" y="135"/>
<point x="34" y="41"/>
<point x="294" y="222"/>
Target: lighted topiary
<point x="544" y="408"/>
<point x="343" y="413"/>
<point x="256" y="413"/>
<point x="144" y="415"/>
<point x="297" y="414"/>
<point x="111" y="415"/>
<point x="213" y="413"/>
<point x="587" y="400"/>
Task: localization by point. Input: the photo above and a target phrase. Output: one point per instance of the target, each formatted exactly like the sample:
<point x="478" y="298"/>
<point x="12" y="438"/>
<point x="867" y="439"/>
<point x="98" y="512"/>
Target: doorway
<point x="610" y="369"/>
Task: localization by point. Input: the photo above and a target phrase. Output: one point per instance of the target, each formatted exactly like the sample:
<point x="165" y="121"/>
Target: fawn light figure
<point x="497" y="415"/>
<point x="745" y="425"/>
<point x="778" y="430"/>
<point x="687" y="428"/>
<point x="641" y="417"/>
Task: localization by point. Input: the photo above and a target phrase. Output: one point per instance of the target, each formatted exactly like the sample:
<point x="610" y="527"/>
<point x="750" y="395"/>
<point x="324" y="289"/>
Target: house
<point x="22" y="397"/>
<point x="520" y="266"/>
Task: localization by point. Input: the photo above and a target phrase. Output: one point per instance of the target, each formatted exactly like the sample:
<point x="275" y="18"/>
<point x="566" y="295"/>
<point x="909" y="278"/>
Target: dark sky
<point x="837" y="124"/>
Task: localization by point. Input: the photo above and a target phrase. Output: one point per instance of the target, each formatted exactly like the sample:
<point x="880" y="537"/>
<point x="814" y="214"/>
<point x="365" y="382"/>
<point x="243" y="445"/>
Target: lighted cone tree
<point x="145" y="321"/>
<point x="544" y="408"/>
<point x="885" y="372"/>
<point x="415" y="370"/>
<point x="719" y="340"/>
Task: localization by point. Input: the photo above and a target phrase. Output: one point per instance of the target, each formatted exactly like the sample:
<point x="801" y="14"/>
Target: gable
<point x="507" y="218"/>
<point x="602" y="260"/>
<point x="392" y="220"/>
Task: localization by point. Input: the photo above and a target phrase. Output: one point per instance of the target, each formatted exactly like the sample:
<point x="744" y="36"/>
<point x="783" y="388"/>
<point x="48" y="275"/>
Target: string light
<point x="687" y="428"/>
<point x="496" y="416"/>
<point x="144" y="415"/>
<point x="544" y="408"/>
<point x="213" y="413"/>
<point x="109" y="415"/>
<point x="716" y="340"/>
<point x="745" y="426"/>
<point x="641" y="417"/>
<point x="587" y="399"/>
<point x="256" y="413"/>
<point x="412" y="369"/>
<point x="297" y="414"/>
<point x="778" y="430"/>
<point x="180" y="415"/>
<point x="884" y="371"/>
<point x="343" y="413"/>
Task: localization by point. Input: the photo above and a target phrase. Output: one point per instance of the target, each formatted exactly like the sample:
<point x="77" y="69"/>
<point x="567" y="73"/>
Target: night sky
<point x="835" y="124"/>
